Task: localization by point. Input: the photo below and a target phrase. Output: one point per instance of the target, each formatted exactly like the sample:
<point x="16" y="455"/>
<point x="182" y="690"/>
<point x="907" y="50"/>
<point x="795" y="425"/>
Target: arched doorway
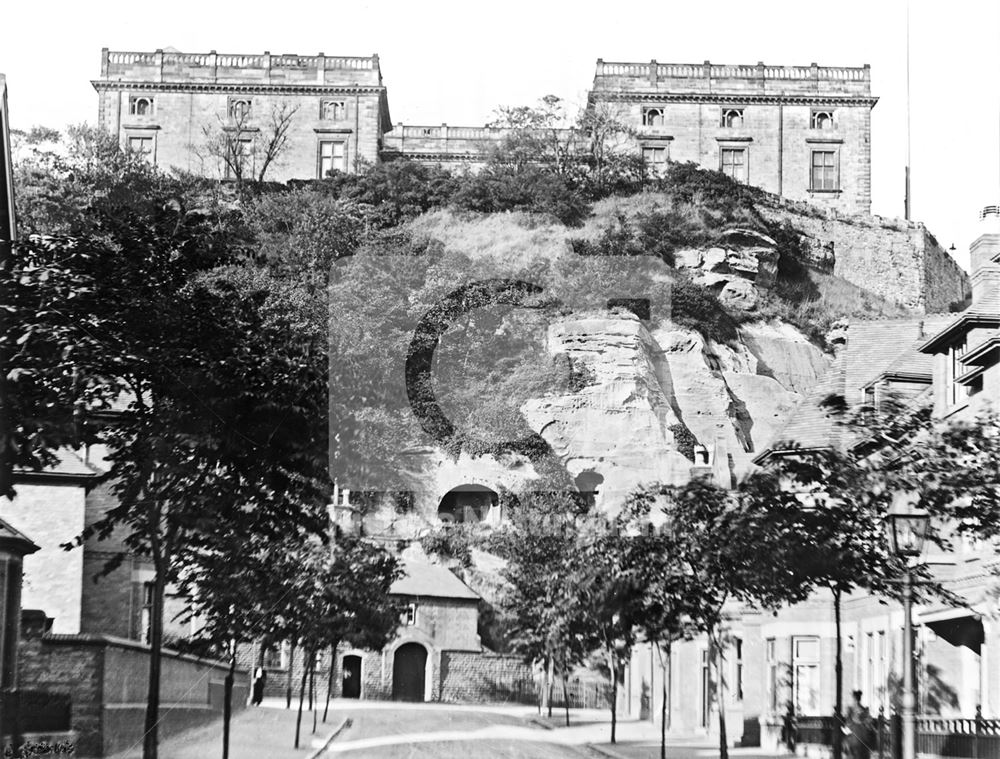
<point x="351" y="685"/>
<point x="409" y="667"/>
<point x="467" y="503"/>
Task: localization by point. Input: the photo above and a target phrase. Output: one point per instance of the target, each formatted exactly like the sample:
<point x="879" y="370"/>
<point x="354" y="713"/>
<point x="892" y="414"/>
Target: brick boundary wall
<point x="471" y="677"/>
<point x="107" y="679"/>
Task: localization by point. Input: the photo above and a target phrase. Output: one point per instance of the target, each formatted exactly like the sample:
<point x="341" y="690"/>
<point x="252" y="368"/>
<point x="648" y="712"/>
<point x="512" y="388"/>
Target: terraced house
<point x="802" y="132"/>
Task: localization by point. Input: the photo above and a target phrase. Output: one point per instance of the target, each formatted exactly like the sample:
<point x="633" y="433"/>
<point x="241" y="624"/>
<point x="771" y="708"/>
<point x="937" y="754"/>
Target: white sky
<point x="454" y="61"/>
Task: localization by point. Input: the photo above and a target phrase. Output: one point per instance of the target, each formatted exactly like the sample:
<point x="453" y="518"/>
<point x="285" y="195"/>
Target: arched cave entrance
<point x="467" y="503"/>
<point x="351" y="685"/>
<point x="409" y="672"/>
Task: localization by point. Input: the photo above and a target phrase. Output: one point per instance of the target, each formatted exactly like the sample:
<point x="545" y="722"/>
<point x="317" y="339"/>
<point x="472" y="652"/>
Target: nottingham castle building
<point x="802" y="132"/>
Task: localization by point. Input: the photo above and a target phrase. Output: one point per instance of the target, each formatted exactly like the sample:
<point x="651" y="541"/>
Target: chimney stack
<point x="984" y="255"/>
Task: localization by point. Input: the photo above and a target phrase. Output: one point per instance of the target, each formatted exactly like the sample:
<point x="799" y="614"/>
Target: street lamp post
<point x="907" y="528"/>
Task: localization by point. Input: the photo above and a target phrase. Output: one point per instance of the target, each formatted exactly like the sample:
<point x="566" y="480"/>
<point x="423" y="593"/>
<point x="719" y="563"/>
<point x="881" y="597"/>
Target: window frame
<point x="133" y="105"/>
<point x="813" y="665"/>
<point x="655" y="166"/>
<point x="727" y="112"/>
<point x="339" y="109"/>
<point x="834" y="166"/>
<point x="234" y="102"/>
<point x="410" y="615"/>
<point x="144" y="137"/>
<point x="816" y="113"/>
<point x="320" y="173"/>
<point x="647" y="112"/>
<point x="743" y="150"/>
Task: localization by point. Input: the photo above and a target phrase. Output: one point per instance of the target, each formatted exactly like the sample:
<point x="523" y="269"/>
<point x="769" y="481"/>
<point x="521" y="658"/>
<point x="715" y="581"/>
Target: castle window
<point x="823" y="174"/>
<point x="239" y="108"/>
<point x="332" y="157"/>
<point x="333" y="110"/>
<point x="239" y="152"/>
<point x="140" y="106"/>
<point x="822" y="120"/>
<point x="732" y="118"/>
<point x="652" y="117"/>
<point x="733" y="163"/>
<point x="142" y="145"/>
<point x="655" y="158"/>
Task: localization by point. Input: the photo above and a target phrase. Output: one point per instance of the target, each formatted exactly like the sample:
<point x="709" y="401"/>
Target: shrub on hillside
<point x="695" y="306"/>
<point x="532" y="188"/>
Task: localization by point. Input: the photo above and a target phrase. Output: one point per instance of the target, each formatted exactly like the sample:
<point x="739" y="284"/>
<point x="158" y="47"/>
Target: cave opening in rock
<point x="469" y="503"/>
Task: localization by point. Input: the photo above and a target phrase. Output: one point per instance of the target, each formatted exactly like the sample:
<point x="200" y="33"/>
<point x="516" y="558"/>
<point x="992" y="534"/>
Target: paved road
<point x="442" y="733"/>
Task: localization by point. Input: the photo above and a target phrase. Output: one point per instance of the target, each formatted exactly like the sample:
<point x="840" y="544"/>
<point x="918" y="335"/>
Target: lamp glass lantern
<point x="906" y="524"/>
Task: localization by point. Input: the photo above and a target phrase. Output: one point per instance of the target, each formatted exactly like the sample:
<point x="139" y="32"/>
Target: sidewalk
<point x="255" y="733"/>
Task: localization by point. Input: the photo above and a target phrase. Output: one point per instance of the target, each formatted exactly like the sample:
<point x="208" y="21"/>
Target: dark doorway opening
<point x="408" y="672"/>
<point x="351" y="687"/>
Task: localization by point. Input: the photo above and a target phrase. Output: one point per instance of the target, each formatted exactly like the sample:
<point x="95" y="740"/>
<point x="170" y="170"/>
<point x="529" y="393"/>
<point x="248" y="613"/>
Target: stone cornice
<point x="735" y="98"/>
<point x="250" y="88"/>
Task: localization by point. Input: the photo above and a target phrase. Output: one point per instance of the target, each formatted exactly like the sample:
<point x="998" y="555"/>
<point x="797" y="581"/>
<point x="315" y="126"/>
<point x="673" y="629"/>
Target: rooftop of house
<point x="874" y="350"/>
<point x="68" y="465"/>
<point x="431" y="580"/>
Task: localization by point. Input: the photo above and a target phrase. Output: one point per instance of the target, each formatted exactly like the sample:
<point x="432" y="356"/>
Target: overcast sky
<point x="452" y="61"/>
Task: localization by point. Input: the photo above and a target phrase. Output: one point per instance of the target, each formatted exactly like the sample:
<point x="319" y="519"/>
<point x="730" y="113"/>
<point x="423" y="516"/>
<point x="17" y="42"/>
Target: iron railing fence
<point x="963" y="738"/>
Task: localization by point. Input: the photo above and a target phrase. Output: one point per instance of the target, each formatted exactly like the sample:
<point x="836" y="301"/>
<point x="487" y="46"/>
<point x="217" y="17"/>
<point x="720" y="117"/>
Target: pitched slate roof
<point x="873" y="349"/>
<point x="426" y="579"/>
<point x="68" y="465"/>
<point x="14" y="540"/>
<point x="984" y="311"/>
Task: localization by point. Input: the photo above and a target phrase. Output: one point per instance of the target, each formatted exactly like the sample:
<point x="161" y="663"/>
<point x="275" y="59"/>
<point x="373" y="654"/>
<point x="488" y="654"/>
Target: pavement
<point x="391" y="730"/>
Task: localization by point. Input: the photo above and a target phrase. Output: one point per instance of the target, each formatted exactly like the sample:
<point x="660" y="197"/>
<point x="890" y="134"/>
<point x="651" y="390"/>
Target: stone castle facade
<point x="801" y="132"/>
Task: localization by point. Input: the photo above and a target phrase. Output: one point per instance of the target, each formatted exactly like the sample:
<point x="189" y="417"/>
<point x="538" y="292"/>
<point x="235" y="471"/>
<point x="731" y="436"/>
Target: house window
<point x="655" y="158"/>
<point x="734" y="163"/>
<point x="140" y="106"/>
<point x="410" y="615"/>
<point x="956" y="392"/>
<point x="142" y="145"/>
<point x="332" y="157"/>
<point x="822" y="120"/>
<point x="146" y="613"/>
<point x="771" y="662"/>
<point x="823" y="173"/>
<point x="706" y="687"/>
<point x="738" y="669"/>
<point x="732" y="118"/>
<point x="273" y="658"/>
<point x="333" y="110"/>
<point x="652" y="117"/>
<point x="805" y="675"/>
<point x="239" y="108"/>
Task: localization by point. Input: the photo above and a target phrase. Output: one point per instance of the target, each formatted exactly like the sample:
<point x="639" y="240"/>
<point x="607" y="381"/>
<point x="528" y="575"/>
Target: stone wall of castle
<point x="896" y="259"/>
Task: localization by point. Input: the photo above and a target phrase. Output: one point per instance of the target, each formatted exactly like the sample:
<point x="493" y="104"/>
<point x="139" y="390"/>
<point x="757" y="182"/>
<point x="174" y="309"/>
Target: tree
<point x="548" y="620"/>
<point x="244" y="150"/>
<point x="731" y="549"/>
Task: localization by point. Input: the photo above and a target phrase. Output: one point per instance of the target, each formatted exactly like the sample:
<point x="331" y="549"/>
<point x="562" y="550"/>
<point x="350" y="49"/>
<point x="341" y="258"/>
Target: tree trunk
<point x="838" y="669"/>
<point x="664" y="695"/>
<point x="311" y="667"/>
<point x="227" y="704"/>
<point x="291" y="669"/>
<point x="720" y="691"/>
<point x="614" y="694"/>
<point x="150" y="740"/>
<point x="565" y="677"/>
<point x="550" y="683"/>
<point x="302" y="699"/>
<point x="329" y="683"/>
<point x="312" y="695"/>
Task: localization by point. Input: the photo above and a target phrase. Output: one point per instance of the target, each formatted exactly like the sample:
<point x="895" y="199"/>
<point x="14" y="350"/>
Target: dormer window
<point x="652" y="117"/>
<point x="732" y="118"/>
<point x="239" y="108"/>
<point x="822" y="120"/>
<point x="140" y="106"/>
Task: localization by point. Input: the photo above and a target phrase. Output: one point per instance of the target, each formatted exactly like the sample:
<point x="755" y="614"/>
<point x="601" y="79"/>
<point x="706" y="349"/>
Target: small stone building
<point x="436" y="654"/>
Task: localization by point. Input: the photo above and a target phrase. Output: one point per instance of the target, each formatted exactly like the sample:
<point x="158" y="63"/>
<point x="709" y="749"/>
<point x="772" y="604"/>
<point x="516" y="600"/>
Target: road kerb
<point x="605" y="751"/>
<point x="326" y="744"/>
